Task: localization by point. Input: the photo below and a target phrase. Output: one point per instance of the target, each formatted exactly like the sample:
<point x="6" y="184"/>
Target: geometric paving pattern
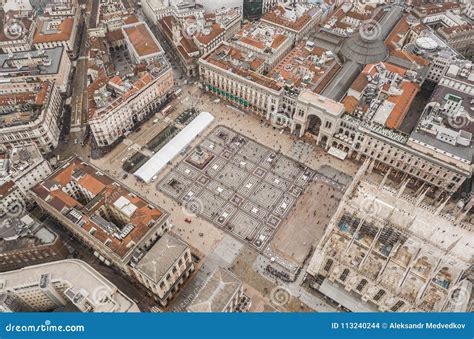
<point x="242" y="186"/>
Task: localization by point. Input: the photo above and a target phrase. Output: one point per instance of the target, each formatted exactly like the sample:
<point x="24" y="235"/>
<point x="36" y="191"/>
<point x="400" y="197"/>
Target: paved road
<point x="79" y="85"/>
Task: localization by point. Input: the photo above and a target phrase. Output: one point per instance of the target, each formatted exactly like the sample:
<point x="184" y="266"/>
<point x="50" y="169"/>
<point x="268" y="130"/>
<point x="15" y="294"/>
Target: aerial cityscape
<point x="236" y="156"/>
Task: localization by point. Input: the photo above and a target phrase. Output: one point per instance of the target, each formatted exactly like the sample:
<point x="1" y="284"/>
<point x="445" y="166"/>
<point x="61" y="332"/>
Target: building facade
<point x="164" y="268"/>
<point x="70" y="285"/>
<point x="39" y="121"/>
<point x="375" y="256"/>
<point x="110" y="118"/>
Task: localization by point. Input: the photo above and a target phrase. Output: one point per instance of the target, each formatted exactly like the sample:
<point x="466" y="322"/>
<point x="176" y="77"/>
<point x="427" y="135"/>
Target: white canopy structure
<point x="153" y="166"/>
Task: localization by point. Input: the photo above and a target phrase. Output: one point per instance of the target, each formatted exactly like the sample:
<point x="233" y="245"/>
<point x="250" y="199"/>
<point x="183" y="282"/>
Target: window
<point x="344" y="275"/>
<point x="328" y="265"/>
<point x="397" y="306"/>
<point x="379" y="295"/>
<point x="361" y="285"/>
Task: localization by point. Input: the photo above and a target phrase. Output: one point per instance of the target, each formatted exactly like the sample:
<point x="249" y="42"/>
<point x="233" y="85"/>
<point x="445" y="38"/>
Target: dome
<point x="426" y="43"/>
<point x="364" y="51"/>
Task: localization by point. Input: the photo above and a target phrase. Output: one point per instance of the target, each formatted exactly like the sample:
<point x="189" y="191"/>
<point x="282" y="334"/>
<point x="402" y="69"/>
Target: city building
<point x="211" y="5"/>
<point x="376" y="127"/>
<point x="26" y="242"/>
<point x="141" y="43"/>
<point x="117" y="104"/>
<point x="306" y="66"/>
<point x="30" y="113"/>
<point x="387" y="250"/>
<point x="105" y="215"/>
<point x="450" y="23"/>
<point x="300" y="18"/>
<point x="16" y="30"/>
<point x="268" y="43"/>
<point x="156" y="10"/>
<point x="164" y="268"/>
<point x="55" y="31"/>
<point x="62" y="286"/>
<point x="221" y="292"/>
<point x="198" y="35"/>
<point x="25" y="167"/>
<point x="459" y="37"/>
<point x="235" y="75"/>
<point x="20" y="69"/>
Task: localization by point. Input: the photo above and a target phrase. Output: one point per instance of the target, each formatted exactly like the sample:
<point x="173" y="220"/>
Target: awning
<point x="337" y="153"/>
<point x="157" y="162"/>
<point x="344" y="298"/>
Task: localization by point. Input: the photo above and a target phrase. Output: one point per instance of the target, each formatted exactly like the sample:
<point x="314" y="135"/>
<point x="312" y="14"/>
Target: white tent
<point x="156" y="163"/>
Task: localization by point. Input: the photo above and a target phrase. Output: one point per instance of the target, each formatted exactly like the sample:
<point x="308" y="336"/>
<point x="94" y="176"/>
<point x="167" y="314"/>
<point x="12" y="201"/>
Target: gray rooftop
<point x="441" y="91"/>
<point x="464" y="152"/>
<point x="339" y="85"/>
<point x="161" y="257"/>
<point x="364" y="51"/>
<point x="33" y="62"/>
<point x="217" y="292"/>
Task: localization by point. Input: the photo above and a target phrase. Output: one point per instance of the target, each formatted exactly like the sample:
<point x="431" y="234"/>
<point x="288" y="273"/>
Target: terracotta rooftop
<point x="402" y="103"/>
<point x="141" y="39"/>
<point x="306" y="67"/>
<point x="61" y="32"/>
<point x="276" y="16"/>
<point x="394" y="43"/>
<point x="350" y="103"/>
<point x="431" y="9"/>
<point x="457" y="29"/>
<point x="225" y="58"/>
<point x="107" y="194"/>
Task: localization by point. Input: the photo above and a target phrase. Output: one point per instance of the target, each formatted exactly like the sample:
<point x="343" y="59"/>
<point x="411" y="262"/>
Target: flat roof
<point x="141" y="38"/>
<point x="332" y="107"/>
<point x="153" y="166"/>
<point x="344" y="298"/>
<point x="217" y="292"/>
<point x="161" y="257"/>
<point x="33" y="62"/>
<point x="463" y="152"/>
<point x="82" y="278"/>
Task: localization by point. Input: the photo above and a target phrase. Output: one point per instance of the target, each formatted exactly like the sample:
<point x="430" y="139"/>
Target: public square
<point x="238" y="185"/>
